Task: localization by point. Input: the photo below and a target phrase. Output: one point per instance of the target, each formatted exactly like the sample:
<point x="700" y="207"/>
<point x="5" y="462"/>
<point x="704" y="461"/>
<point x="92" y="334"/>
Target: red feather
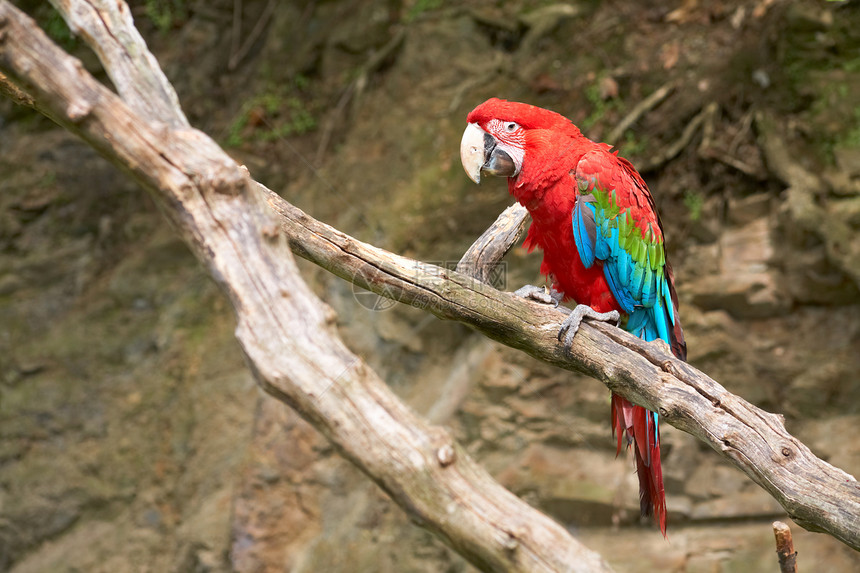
<point x="637" y="424"/>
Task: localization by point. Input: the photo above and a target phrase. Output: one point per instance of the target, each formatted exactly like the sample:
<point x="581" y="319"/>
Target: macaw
<point x="602" y="241"/>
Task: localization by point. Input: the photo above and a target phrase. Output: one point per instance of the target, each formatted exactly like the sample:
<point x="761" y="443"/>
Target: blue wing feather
<point x="583" y="220"/>
<point x="624" y="266"/>
<point x="601" y="230"/>
<point x="622" y="295"/>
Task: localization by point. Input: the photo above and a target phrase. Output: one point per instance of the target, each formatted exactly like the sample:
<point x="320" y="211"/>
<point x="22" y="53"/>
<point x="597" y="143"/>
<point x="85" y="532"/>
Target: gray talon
<point x="570" y="326"/>
<point x="540" y="294"/>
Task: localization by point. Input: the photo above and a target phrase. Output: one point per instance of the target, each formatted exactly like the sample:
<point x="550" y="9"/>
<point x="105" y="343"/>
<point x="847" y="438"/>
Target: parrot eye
<point x="511" y="127"/>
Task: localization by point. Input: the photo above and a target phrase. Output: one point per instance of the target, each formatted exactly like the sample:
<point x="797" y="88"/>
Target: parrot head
<point x="507" y="139"/>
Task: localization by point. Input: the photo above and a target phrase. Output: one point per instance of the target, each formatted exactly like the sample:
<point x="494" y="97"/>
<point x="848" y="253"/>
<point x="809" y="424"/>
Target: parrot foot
<point x="540" y="294"/>
<point x="571" y="324"/>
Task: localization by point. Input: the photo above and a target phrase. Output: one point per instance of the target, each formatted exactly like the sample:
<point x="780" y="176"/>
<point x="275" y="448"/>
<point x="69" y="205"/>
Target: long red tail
<point x="639" y="427"/>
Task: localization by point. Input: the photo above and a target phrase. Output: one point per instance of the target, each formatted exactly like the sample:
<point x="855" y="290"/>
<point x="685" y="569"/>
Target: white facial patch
<point x="512" y="142"/>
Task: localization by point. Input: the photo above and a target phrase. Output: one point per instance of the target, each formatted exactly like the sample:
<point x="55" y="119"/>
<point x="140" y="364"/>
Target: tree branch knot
<point x="446" y="455"/>
<point x="510" y="541"/>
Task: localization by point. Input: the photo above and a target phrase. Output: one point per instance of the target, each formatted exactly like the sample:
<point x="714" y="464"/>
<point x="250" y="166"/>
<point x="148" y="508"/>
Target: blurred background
<point x="132" y="436"/>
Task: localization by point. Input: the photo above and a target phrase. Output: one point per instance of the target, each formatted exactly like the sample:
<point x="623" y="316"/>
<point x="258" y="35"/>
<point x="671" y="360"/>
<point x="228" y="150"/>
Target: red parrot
<point x="602" y="241"/>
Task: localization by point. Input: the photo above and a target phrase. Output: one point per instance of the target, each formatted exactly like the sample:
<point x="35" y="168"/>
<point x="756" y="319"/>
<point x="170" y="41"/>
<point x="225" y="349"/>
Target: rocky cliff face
<point x="132" y="437"/>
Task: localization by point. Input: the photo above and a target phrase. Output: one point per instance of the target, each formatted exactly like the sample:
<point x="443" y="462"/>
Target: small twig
<point x="237" y="27"/>
<point x="785" y="548"/>
<point x="639" y="110"/>
<point x="673" y="150"/>
<point x="481" y="258"/>
<point x="708" y="128"/>
<point x="237" y="57"/>
<point x="334" y="120"/>
<point x="781" y="162"/>
<point x="375" y="61"/>
<point x="733" y="162"/>
<point x="356" y="87"/>
<point x="470" y="83"/>
<point x="746" y="124"/>
<point x="707" y="149"/>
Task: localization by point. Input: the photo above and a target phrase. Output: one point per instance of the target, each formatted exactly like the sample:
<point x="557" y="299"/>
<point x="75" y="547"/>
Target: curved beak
<point x="480" y="153"/>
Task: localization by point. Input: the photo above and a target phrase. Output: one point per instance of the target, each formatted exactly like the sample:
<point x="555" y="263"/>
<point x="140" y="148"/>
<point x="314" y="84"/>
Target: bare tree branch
<point x="239" y="54"/>
<point x="108" y="28"/>
<point x="785" y="548"/>
<point x="638" y="111"/>
<point x="287" y="333"/>
<point x="480" y="259"/>
<point x="815" y="494"/>
<point x="242" y="242"/>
